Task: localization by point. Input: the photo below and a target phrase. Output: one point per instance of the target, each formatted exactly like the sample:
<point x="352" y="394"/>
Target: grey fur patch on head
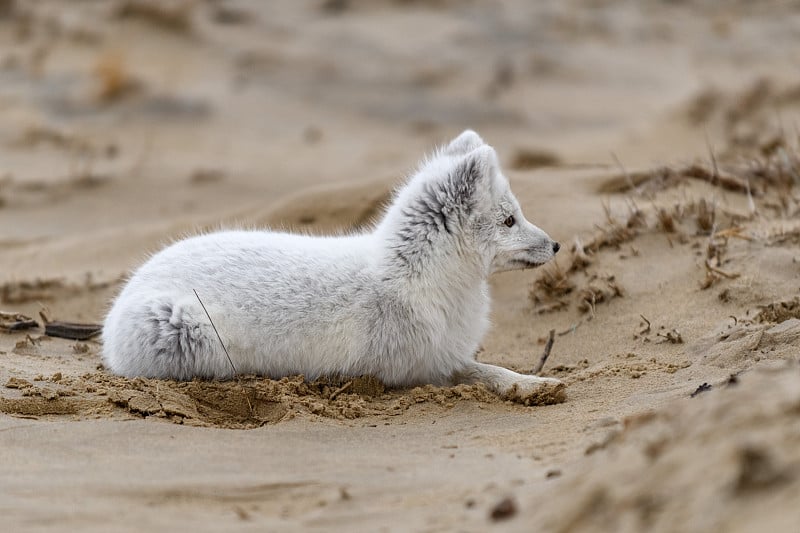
<point x="442" y="206"/>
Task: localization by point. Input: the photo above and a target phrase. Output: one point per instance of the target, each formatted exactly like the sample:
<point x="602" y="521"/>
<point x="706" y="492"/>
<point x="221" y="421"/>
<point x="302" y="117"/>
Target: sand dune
<point x="656" y="141"/>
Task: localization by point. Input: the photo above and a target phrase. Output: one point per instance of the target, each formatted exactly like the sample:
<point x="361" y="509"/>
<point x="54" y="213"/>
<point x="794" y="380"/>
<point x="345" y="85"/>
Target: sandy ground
<point x="656" y="140"/>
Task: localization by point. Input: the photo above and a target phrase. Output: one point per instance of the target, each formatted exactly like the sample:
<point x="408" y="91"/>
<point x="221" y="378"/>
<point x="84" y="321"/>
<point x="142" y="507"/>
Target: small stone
<point x="505" y="509"/>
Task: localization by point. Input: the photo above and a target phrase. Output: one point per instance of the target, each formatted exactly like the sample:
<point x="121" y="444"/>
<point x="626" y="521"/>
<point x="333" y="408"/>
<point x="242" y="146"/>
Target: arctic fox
<point x="407" y="302"/>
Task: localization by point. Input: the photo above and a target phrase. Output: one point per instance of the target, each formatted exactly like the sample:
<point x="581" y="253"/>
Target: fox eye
<point x="510" y="221"/>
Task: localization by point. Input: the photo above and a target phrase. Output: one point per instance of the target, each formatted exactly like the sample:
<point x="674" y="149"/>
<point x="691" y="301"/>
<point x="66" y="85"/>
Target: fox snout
<point x="529" y="248"/>
<point x="543" y="246"/>
<point x="542" y="251"/>
<point x="537" y="249"/>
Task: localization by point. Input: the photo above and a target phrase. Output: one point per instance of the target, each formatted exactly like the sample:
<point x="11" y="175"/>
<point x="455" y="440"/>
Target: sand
<point x="656" y="141"/>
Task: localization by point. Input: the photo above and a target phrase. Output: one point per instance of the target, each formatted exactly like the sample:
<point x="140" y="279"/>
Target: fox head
<point x="459" y="202"/>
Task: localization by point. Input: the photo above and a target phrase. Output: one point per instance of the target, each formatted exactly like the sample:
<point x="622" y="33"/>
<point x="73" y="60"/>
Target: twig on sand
<point x="235" y="373"/>
<point x="735" y="232"/>
<point x="715" y="270"/>
<point x="547" y="347"/>
<point x="647" y="328"/>
<point x="714" y="177"/>
<point x="341" y="389"/>
<point x="71" y="330"/>
<point x="217" y="332"/>
<point x="705" y="387"/>
<point x="714" y="166"/>
<point x="16" y="322"/>
<point x="571" y="329"/>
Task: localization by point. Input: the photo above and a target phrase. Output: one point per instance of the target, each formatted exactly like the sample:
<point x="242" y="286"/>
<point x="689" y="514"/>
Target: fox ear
<point x="464" y="143"/>
<point x="473" y="173"/>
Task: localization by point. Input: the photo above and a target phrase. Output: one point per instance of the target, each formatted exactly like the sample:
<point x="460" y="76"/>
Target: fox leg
<point x="521" y="388"/>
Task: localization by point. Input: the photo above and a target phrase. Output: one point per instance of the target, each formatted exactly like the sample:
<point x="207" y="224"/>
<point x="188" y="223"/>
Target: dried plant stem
<point x="729" y="275"/>
<point x="343" y="388"/>
<point x="735" y="232"/>
<point x="646" y="329"/>
<point x="72" y="330"/>
<point x="571" y="329"/>
<point x="217" y="332"/>
<point x="547" y="347"/>
<point x="714" y="177"/>
<point x="235" y="373"/>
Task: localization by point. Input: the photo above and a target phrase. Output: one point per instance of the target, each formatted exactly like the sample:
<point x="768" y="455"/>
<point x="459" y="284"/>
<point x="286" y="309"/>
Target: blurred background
<point x="131" y="121"/>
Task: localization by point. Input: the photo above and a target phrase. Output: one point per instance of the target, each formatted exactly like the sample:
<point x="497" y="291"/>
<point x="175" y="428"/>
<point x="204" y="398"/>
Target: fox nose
<point x="556" y="247"/>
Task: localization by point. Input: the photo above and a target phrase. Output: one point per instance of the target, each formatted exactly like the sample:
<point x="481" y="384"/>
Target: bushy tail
<point x="163" y="337"/>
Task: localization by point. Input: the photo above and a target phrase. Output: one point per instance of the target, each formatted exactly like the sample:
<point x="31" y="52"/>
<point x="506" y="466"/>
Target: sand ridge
<point x="645" y="475"/>
<point x="244" y="403"/>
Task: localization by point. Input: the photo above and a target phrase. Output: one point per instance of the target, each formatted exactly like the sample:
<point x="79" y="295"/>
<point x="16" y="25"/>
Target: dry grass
<point x="578" y="259"/>
<point x="671" y="336"/>
<point x="16" y="322"/>
<point x="777" y="312"/>
<point x="705" y="215"/>
<point x="769" y="181"/>
<point x="665" y="177"/>
<point x="666" y="220"/>
<point x="637" y="181"/>
<point x="716" y="248"/>
<point x="548" y="293"/>
<point x="598" y="290"/>
<point x="613" y="233"/>
<point x="714" y="274"/>
<point x="777" y="164"/>
<point x="780" y="169"/>
<point x="554" y="281"/>
<point x="715" y="176"/>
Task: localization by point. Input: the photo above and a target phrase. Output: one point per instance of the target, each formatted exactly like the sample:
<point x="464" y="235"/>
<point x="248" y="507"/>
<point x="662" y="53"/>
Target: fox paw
<point x="537" y="391"/>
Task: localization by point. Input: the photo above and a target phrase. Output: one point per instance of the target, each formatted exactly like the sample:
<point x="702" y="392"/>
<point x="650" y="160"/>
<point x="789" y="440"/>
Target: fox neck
<point x="444" y="266"/>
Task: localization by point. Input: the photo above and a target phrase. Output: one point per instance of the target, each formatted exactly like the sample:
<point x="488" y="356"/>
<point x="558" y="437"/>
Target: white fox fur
<point x="407" y="302"/>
